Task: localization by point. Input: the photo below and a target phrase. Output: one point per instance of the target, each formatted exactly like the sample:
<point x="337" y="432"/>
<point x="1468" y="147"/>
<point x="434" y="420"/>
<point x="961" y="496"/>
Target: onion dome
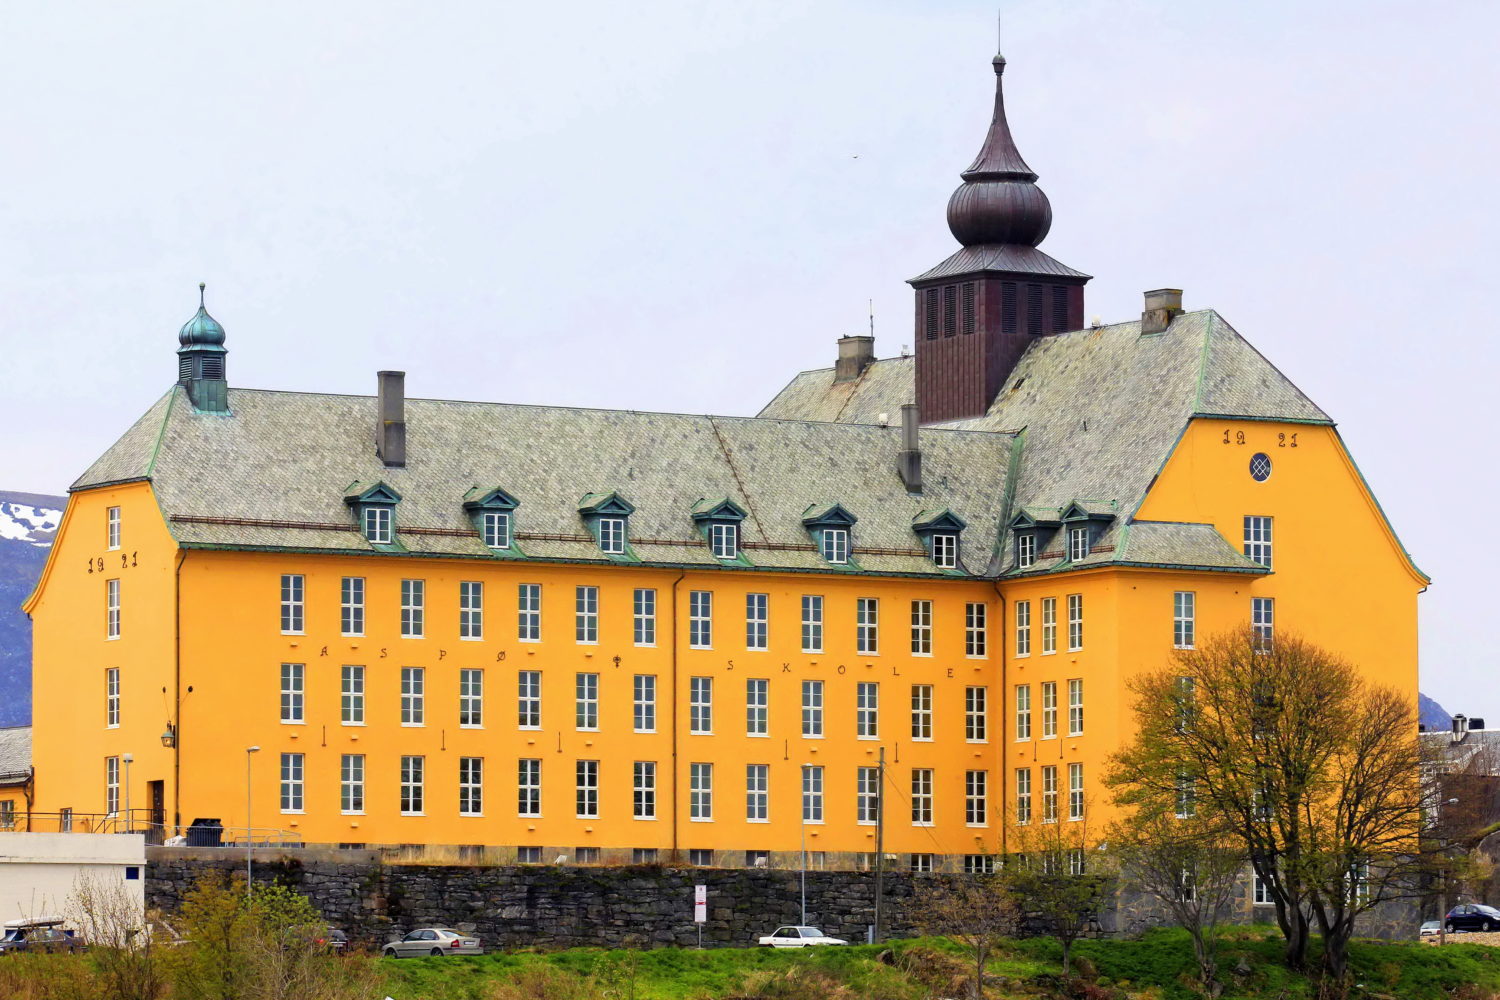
<point x="202" y="330"/>
<point x="999" y="201"/>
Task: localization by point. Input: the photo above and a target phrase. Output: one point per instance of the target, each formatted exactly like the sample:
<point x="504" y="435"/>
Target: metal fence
<point x="151" y="825"/>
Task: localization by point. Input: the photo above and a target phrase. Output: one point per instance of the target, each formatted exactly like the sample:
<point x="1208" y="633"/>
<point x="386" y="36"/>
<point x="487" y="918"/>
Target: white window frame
<point x="112" y="528"/>
<point x="921" y="713"/>
<point x="586" y="702"/>
<point x="945" y="550"/>
<point x="471" y="610"/>
<point x="529" y="612"/>
<point x="586" y="615"/>
<point x="812" y="794"/>
<point x="1023" y="796"/>
<point x="1184" y="619"/>
<point x="643" y="623"/>
<point x="758" y="706"/>
<point x="293" y="784"/>
<point x="112" y="698"/>
<point x="643" y="703"/>
<point x="1258" y="536"/>
<point x="529" y="787"/>
<point x="112" y="786"/>
<point x="1260" y="890"/>
<point x="1263" y="622"/>
<point x="812" y="710"/>
<point x="471" y="786"/>
<point x="867" y="710"/>
<point x="1078" y="543"/>
<point x="757" y="621"/>
<point x="586" y="789"/>
<point x="351" y="695"/>
<point x="920" y="863"/>
<point x="867" y="626"/>
<point x="377" y="523"/>
<point x="1049" y="710"/>
<point x="413" y="609"/>
<point x="700" y="792"/>
<point x="495" y="528"/>
<point x="724" y="539"/>
<point x="976" y="798"/>
<point x="976" y="713"/>
<point x="812" y="623"/>
<point x="1049" y="625"/>
<point x="921" y="796"/>
<point x="1187" y="796"/>
<point x="1075" y="622"/>
<point x="352" y="784"/>
<point x="413" y="799"/>
<point x="700" y="619"/>
<point x="757" y="793"/>
<point x="1023" y="629"/>
<point x="293" y="694"/>
<point x="612" y="535"/>
<point x="112" y="609"/>
<point x="1025" y="550"/>
<point x="867" y="796"/>
<point x="293" y="604"/>
<point x="470" y="698"/>
<point x="643" y="789"/>
<point x="833" y="544"/>
<point x="1023" y="712"/>
<point x="1075" y="793"/>
<point x="921" y="628"/>
<point x="529" y="699"/>
<point x="1075" y="706"/>
<point x="701" y="706"/>
<point x="977" y="630"/>
<point x="1049" y="793"/>
<point x="352" y="606"/>
<point x="413" y="697"/>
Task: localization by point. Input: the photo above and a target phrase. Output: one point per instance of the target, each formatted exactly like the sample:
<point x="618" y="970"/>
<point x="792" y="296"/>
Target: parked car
<point x="432" y="941"/>
<point x="798" y="937"/>
<point x="1473" y="917"/>
<point x="334" y="940"/>
<point x="34" y="934"/>
<point x="1429" y="928"/>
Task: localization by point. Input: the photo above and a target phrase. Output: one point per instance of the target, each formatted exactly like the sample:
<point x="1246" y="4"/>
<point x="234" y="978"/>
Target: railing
<point x="156" y="831"/>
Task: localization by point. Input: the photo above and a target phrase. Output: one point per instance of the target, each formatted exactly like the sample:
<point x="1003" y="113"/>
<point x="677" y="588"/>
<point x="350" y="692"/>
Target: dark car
<point x="42" y="935"/>
<point x="334" y="940"/>
<point x="1473" y="917"/>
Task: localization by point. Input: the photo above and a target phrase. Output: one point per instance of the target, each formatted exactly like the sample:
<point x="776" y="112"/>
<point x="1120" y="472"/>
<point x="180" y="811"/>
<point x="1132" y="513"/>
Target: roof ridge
<point x="1221" y="321"/>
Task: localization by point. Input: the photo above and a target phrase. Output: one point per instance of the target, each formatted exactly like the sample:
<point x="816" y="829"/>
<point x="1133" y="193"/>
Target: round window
<point x="1260" y="467"/>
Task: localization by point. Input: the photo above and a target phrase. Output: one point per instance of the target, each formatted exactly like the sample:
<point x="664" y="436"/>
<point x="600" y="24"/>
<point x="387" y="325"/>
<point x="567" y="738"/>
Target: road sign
<point x="700" y="904"/>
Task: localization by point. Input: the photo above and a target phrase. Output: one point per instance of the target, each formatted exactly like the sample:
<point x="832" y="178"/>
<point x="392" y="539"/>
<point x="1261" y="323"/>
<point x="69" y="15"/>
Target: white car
<point x="435" y="941"/>
<point x="798" y="937"/>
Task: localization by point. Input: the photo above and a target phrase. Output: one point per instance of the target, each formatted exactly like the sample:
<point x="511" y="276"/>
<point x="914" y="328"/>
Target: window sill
<point x="645" y="645"/>
<point x="756" y="649"/>
<point x="462" y="725"/>
<point x="1187" y="647"/>
<point x="285" y="632"/>
<point x="866" y="652"/>
<point x="1018" y="656"/>
<point x="926" y="824"/>
<point x="522" y="815"/>
<point x="414" y="814"/>
<point x="1049" y="652"/>
<point x="700" y="732"/>
<point x="867" y="738"/>
<point x="585" y="642"/>
<point x="528" y="640"/>
<point x="351" y="635"/>
<point x="351" y="812"/>
<point x="530" y="729"/>
<point x="690" y="646"/>
<point x="110" y="638"/>
<point x="700" y="819"/>
<point x="413" y="725"/>
<point x="585" y="729"/>
<point x="924" y="655"/>
<point x="645" y="819"/>
<point x="581" y="816"/>
<point x="471" y="638"/>
<point x="758" y="736"/>
<point x="977" y="742"/>
<point x="748" y="820"/>
<point x="361" y="725"/>
<point x="293" y="812"/>
<point x="1075" y="649"/>
<point x="112" y="725"/>
<point x="864" y="822"/>
<point x="293" y="722"/>
<point x="413" y="636"/>
<point x="921" y="739"/>
<point x="978" y="826"/>
<point x="644" y="731"/>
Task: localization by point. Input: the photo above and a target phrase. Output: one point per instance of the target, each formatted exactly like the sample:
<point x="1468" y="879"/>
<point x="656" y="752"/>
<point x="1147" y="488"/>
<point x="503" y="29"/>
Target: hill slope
<point x="28" y="522"/>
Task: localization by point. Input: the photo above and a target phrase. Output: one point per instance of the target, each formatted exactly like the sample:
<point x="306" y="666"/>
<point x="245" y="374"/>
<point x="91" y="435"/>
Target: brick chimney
<point x="855" y="355"/>
<point x="1161" y="305"/>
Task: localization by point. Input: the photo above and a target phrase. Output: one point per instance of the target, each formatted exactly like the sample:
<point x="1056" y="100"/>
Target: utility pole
<point x="879" y="842"/>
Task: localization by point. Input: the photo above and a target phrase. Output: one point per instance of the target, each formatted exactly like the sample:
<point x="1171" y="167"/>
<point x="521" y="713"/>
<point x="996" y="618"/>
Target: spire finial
<point x="999" y="61"/>
<point x="201" y="286"/>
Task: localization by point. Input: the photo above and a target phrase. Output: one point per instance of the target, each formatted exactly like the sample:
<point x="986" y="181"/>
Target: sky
<point x="676" y="206"/>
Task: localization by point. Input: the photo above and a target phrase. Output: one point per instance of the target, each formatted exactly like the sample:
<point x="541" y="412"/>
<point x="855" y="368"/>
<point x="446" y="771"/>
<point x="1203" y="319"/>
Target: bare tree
<point x="1058" y="879"/>
<point x="972" y="911"/>
<point x="114" y="923"/>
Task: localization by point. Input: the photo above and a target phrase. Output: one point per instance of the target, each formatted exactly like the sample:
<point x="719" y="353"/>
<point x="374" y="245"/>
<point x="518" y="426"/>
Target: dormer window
<point x="719" y="523"/>
<point x="494" y="513"/>
<point x="1084" y="522"/>
<point x="606" y="515"/>
<point x="724" y="540"/>
<point x="375" y="511"/>
<point x="945" y="551"/>
<point x="378" y="525"/>
<point x="612" y="535"/>
<point x="834" y="544"/>
<point x="1078" y="543"/>
<point x="831" y="527"/>
<point x="494" y="526"/>
<point x="1025" y="550"/>
<point x="939" y="531"/>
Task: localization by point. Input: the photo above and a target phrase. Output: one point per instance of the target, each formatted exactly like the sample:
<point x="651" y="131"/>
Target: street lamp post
<point x="1443" y="883"/>
<point x="250" y="753"/>
<point x="129" y="822"/>
<point x="804" y="845"/>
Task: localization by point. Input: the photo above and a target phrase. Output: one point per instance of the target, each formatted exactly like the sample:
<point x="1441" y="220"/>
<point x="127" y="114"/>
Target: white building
<point x="40" y="872"/>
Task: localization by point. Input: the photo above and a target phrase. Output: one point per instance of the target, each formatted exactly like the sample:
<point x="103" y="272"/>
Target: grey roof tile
<point x="15" y="755"/>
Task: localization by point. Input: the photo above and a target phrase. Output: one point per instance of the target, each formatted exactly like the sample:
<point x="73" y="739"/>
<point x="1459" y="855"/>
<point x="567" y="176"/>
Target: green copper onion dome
<point x="202" y="330"/>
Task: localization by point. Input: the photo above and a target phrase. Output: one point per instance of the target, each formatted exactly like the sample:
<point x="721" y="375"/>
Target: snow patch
<point x="35" y="525"/>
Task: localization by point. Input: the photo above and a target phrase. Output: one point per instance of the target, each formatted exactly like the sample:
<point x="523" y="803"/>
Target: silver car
<point x="432" y="941"/>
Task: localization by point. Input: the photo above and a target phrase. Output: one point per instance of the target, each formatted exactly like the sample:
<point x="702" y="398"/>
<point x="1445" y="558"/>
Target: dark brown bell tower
<point x="980" y="309"/>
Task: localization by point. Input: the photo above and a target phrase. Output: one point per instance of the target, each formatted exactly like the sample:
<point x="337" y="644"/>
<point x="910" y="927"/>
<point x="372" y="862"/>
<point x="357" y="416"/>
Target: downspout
<point x="675" y="766"/>
<point x="177" y="693"/>
<point x="1004" y="640"/>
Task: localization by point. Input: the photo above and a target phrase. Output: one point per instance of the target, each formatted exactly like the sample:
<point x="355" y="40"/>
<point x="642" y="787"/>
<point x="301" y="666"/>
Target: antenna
<point x="872" y="317"/>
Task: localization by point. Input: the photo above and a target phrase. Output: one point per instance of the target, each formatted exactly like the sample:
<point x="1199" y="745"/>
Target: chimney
<point x="1161" y="305"/>
<point x="390" y="426"/>
<point x="910" y="461"/>
<point x="855" y="355"/>
<point x="1460" y="728"/>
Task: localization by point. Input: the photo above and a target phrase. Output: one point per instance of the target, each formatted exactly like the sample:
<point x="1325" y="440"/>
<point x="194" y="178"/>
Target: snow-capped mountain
<point x="28" y="522"/>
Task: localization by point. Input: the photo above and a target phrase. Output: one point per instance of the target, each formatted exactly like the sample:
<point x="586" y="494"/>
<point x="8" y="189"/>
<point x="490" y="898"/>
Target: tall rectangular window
<point x="413" y="772"/>
<point x="1049" y="794"/>
<point x="293" y="607"/>
<point x="586" y="710"/>
<point x="921" y="796"/>
<point x="291" y="782"/>
<point x="921" y="628"/>
<point x="976" y="629"/>
<point x="378" y="524"/>
<point x="470" y="698"/>
<point x="529" y="699"/>
<point x="812" y="623"/>
<point x="352" y="695"/>
<point x="1263" y="621"/>
<point x="867" y="710"/>
<point x="757" y="706"/>
<point x="1187" y="796"/>
<point x="1075" y="621"/>
<point x="700" y="705"/>
<point x="867" y="796"/>
<point x="528" y="787"/>
<point x="112" y="785"/>
<point x="643" y="703"/>
<point x="112" y="698"/>
<point x="529" y="612"/>
<point x="413" y="609"/>
<point x="977" y="798"/>
<point x="471" y="610"/>
<point x="1075" y="707"/>
<point x="643" y="607"/>
<point x="757" y="620"/>
<point x="701" y="619"/>
<point x="867" y="622"/>
<point x="1023" y="795"/>
<point x="496" y="527"/>
<point x="112" y="609"/>
<point x="352" y="784"/>
<point x="812" y="794"/>
<point x="352" y="605"/>
<point x="945" y="551"/>
<point x="1025" y="550"/>
<point x="643" y="789"/>
<point x="1023" y="628"/>
<point x="812" y="708"/>
<point x="757" y="793"/>
<point x="413" y="683"/>
<point x="1049" y="625"/>
<point x="1023" y="711"/>
<point x="293" y="690"/>
<point x="112" y="527"/>
<point x="471" y="786"/>
<point x="1183" y="614"/>
<point x="724" y="540"/>
<point x="612" y="535"/>
<point x="1049" y="709"/>
<point x="976" y="714"/>
<point x="1258" y="539"/>
<point x="1078" y="544"/>
<point x="921" y="711"/>
<point x="586" y="608"/>
<point x="833" y="543"/>
<point x="587" y="797"/>
<point x="700" y="792"/>
<point x="1075" y="791"/>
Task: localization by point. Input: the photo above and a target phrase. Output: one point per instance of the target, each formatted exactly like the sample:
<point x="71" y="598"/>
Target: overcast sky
<point x="676" y="206"/>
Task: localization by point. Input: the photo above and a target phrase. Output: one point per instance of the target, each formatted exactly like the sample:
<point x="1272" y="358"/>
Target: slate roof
<point x="15" y="755"/>
<point x="1006" y="257"/>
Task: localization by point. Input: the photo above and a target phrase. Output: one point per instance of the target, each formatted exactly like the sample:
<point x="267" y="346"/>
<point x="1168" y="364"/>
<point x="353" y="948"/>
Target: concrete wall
<point x="39" y="871"/>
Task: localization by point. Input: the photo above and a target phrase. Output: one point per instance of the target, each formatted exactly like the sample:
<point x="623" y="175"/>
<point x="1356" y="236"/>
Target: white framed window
<point x="471" y="786"/>
<point x="812" y="794"/>
<point x="352" y="605"/>
<point x="1187" y="703"/>
<point x="586" y="609"/>
<point x="1025" y="550"/>
<point x="1077" y="863"/>
<point x="470" y="610"/>
<point x="976" y="714"/>
<point x="378" y="524"/>
<point x="1187" y="796"/>
<point x="921" y="628"/>
<point x="701" y="857"/>
<point x="1023" y="628"/>
<point x="1049" y="625"/>
<point x="919" y="864"/>
<point x="700" y="792"/>
<point x="1183" y="614"/>
<point x="979" y="864"/>
<point x="112" y="785"/>
<point x="291" y="782"/>
<point x="413" y="772"/>
<point x="112" y="609"/>
<point x="643" y="855"/>
<point x="1075" y="791"/>
<point x="529" y="612"/>
<point x="757" y="793"/>
<point x="1023" y="796"/>
<point x="833" y="543"/>
<point x="643" y="789"/>
<point x="1263" y="621"/>
<point x="612" y="535"/>
<point x="867" y="624"/>
<point x="1262" y="890"/>
<point x="867" y="796"/>
<point x="587" y="798"/>
<point x="413" y="695"/>
<point x="976" y="629"/>
<point x="112" y="698"/>
<point x="352" y="695"/>
<point x="921" y="711"/>
<point x="701" y="619"/>
<point x="643" y="703"/>
<point x="701" y="705"/>
<point x="757" y="620"/>
<point x="352" y="784"/>
<point x="1049" y="793"/>
<point x="1078" y="543"/>
<point x="945" y="551"/>
<point x="528" y="855"/>
<point x="812" y="623"/>
<point x="1075" y="706"/>
<point x="1258" y="539"/>
<point x="495" y="526"/>
<point x="471" y="698"/>
<point x="724" y="540"/>
<point x="1023" y="711"/>
<point x="293" y="691"/>
<point x="529" y="699"/>
<point x="413" y="609"/>
<point x="867" y="710"/>
<point x="1049" y="709"/>
<point x="528" y="787"/>
<point x="812" y="709"/>
<point x="757" y="706"/>
<point x="293" y="607"/>
<point x="643" y="609"/>
<point x="976" y="798"/>
<point x="921" y="796"/>
<point x="1075" y="622"/>
<point x="112" y="527"/>
<point x="586" y="711"/>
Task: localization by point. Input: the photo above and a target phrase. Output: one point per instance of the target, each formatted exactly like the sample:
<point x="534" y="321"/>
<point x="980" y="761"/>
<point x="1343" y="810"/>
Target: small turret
<point x="200" y="360"/>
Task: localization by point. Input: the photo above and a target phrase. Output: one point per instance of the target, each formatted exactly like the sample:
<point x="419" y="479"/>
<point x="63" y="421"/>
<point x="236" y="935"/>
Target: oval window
<point x="1260" y="467"/>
